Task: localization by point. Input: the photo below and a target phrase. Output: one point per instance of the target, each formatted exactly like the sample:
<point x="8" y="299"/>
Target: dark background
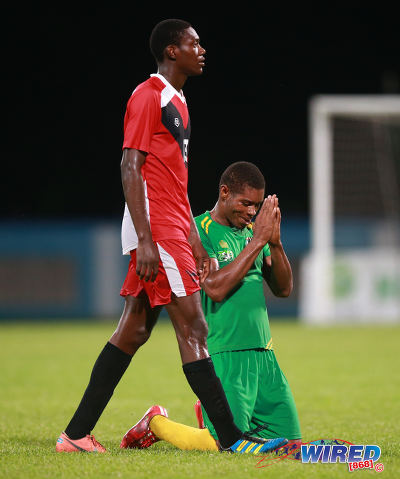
<point x="68" y="73"/>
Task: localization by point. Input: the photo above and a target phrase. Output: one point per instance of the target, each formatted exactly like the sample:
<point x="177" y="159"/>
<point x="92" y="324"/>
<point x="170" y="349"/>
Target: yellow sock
<point x="182" y="436"/>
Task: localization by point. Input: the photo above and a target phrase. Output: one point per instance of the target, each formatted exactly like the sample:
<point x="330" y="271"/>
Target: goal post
<point x="354" y="193"/>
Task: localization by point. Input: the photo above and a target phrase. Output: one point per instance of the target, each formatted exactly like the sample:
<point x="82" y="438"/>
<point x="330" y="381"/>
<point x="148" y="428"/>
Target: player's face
<point x="241" y="207"/>
<point x="189" y="54"/>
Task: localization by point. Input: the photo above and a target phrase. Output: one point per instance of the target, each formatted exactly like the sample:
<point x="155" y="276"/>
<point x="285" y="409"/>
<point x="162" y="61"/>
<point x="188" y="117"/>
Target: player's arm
<point x="221" y="281"/>
<point x="277" y="271"/>
<point x="147" y="257"/>
<point x="199" y="252"/>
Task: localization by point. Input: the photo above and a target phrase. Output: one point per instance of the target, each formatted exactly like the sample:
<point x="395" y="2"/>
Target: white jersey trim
<point x="169" y="91"/>
<point x="129" y="238"/>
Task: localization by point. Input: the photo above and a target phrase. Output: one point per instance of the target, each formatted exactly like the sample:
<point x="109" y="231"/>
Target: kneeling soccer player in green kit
<point x="239" y="340"/>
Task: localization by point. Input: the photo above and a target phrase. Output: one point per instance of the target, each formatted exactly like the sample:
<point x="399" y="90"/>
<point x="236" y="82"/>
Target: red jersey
<point x="157" y="122"/>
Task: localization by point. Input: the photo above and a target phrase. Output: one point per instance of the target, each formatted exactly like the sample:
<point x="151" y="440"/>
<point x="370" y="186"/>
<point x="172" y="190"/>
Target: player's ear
<point x="224" y="192"/>
<point x="170" y="52"/>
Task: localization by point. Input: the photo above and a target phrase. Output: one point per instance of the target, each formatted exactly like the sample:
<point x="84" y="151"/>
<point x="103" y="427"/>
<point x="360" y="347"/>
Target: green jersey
<point x="240" y="320"/>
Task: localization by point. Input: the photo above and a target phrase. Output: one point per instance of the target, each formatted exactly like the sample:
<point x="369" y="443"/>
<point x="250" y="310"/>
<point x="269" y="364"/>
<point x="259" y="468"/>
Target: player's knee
<point x="130" y="343"/>
<point x="139" y="337"/>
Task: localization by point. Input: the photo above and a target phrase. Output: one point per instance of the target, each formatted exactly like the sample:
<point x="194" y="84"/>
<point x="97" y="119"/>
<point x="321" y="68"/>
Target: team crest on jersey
<point x="225" y="256"/>
<point x="248" y="239"/>
<point x="177" y="122"/>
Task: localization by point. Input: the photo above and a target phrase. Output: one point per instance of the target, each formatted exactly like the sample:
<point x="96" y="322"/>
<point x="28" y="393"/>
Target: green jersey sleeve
<point x="266" y="250"/>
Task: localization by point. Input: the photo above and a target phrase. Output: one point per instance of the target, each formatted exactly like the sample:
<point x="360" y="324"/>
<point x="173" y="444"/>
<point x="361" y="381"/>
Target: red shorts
<point x="176" y="274"/>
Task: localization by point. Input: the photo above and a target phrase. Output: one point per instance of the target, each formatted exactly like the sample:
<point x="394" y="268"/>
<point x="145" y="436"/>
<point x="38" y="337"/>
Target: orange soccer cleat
<point x="85" y="444"/>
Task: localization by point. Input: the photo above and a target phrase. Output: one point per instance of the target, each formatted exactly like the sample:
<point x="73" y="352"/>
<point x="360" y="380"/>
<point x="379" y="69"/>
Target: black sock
<point x="208" y="388"/>
<point x="107" y="372"/>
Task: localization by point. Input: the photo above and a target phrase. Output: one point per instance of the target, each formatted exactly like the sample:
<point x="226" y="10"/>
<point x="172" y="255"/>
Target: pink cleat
<point x="199" y="414"/>
<point x="140" y="435"/>
<point x="85" y="444"/>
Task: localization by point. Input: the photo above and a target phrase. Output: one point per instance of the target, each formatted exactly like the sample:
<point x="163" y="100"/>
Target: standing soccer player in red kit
<point x="167" y="257"/>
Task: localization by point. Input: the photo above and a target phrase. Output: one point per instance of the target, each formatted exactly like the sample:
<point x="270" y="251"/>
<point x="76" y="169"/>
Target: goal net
<point x="352" y="271"/>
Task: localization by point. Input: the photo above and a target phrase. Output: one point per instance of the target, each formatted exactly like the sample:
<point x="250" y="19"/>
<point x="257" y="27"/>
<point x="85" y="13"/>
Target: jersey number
<point x="185" y="151"/>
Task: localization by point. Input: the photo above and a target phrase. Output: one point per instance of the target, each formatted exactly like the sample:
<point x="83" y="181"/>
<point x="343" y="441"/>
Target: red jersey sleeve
<point x="142" y="114"/>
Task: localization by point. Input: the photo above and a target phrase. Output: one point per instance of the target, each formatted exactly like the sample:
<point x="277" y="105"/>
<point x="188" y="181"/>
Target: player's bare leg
<point x="135" y="325"/>
<point x="190" y="327"/>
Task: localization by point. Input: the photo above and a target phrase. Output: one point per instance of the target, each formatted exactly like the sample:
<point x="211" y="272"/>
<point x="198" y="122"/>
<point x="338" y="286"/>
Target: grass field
<point x="345" y="380"/>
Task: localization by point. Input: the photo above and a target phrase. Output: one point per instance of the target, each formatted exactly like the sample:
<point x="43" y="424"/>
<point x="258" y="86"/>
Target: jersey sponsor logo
<point x="225" y="256"/>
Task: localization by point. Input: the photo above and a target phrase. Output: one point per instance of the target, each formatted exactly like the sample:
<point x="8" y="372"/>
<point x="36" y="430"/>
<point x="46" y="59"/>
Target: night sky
<point x="69" y="73"/>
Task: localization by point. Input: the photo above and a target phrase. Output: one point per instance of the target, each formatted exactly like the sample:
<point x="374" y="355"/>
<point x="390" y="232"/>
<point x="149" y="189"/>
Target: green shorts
<point x="258" y="394"/>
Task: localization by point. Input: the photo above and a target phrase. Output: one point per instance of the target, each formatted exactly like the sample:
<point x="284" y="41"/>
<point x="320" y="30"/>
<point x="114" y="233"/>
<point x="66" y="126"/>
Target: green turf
<point x="345" y="381"/>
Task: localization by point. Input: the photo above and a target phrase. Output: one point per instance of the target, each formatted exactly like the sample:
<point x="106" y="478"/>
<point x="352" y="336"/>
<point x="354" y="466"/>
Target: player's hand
<point x="147" y="260"/>
<point x="276" y="233"/>
<point x="266" y="219"/>
<point x="202" y="260"/>
<point x="204" y="270"/>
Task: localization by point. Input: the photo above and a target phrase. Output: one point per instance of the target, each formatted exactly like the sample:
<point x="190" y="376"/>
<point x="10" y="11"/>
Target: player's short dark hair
<point x="241" y="174"/>
<point x="167" y="32"/>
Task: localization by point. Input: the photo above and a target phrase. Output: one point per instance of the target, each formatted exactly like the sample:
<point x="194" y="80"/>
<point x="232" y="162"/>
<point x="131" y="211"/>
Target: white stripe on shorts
<point x="172" y="271"/>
